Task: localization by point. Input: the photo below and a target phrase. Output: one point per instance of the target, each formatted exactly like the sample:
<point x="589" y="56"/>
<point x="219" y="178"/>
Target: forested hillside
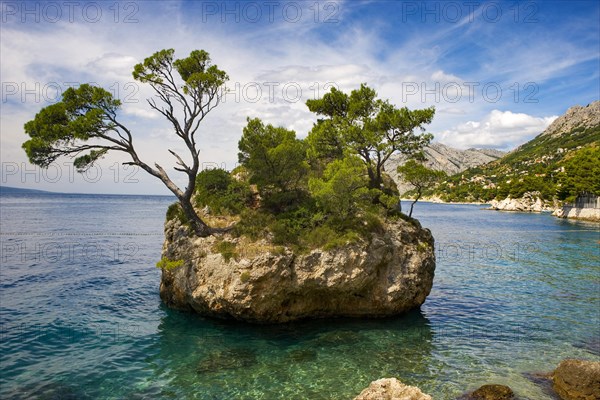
<point x="560" y="163"/>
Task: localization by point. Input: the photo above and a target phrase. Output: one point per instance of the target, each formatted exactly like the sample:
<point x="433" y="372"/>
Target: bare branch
<point x="180" y="161"/>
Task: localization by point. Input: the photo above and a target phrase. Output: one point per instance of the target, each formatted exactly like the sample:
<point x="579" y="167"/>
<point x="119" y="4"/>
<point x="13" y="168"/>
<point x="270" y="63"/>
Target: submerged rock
<point x="590" y="344"/>
<point x="302" y="355"/>
<point x="577" y="380"/>
<point x="544" y="381"/>
<point x="391" y="389"/>
<point x="389" y="274"/>
<point x="491" y="392"/>
<point x="227" y="359"/>
<point x="338" y="338"/>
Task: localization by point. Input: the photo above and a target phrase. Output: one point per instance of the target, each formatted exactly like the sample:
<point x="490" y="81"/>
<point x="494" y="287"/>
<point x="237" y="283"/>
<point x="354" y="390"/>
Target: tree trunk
<point x="372" y="178"/>
<point x="411" y="209"/>
<point x="413" y="203"/>
<point x="378" y="179"/>
<point x="200" y="228"/>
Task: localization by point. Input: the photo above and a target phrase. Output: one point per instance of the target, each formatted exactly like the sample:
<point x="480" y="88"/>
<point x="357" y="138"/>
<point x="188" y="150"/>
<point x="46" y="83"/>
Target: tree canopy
<point x="373" y="129"/>
<point x="332" y="184"/>
<point x="85" y="123"/>
<point x="274" y="157"/>
<point x="420" y="177"/>
<point x="581" y="174"/>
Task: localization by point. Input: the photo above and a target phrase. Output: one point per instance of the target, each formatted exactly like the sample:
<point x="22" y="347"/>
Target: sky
<point x="498" y="73"/>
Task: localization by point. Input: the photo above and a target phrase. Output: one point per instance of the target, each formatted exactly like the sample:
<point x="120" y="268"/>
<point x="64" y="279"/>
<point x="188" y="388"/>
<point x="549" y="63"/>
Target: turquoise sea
<point x="80" y="315"/>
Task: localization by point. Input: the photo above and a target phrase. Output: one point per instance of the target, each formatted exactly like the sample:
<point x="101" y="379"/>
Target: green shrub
<point x="213" y="180"/>
<point x="292" y="225"/>
<point x="373" y="224"/>
<point x="319" y="236"/>
<point x="175" y="211"/>
<point x="345" y="239"/>
<point x="422" y="247"/>
<point x="282" y="234"/>
<point x="278" y="250"/>
<point x="254" y="224"/>
<point x="168" y="265"/>
<point x="216" y="189"/>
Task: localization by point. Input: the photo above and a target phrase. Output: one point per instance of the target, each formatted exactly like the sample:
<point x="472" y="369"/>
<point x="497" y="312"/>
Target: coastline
<point x="583" y="214"/>
<point x="439" y="201"/>
<point x="563" y="212"/>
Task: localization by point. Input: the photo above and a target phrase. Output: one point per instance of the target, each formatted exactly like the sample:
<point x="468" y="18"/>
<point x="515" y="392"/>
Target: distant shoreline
<point x="6" y="190"/>
<point x="446" y="202"/>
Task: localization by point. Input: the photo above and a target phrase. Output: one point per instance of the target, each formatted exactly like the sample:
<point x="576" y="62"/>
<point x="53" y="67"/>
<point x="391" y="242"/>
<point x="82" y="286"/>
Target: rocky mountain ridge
<point x="576" y="117"/>
<point x="444" y="158"/>
<point x="557" y="165"/>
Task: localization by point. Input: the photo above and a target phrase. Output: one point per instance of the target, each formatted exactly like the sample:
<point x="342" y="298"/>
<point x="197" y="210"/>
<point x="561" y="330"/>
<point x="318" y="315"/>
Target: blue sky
<point x="497" y="72"/>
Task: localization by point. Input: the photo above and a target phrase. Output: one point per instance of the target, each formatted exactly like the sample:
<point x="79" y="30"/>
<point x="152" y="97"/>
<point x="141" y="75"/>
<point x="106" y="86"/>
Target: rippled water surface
<point x="80" y="315"/>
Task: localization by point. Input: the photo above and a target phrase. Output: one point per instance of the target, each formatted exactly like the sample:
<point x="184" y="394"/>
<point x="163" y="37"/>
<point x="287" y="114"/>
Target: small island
<point x="308" y="228"/>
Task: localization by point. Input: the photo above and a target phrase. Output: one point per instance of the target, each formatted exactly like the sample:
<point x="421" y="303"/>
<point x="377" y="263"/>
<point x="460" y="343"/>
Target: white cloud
<point x="113" y="65"/>
<point x="140" y="112"/>
<point x="452" y="110"/>
<point x="355" y="50"/>
<point x="442" y="77"/>
<point x="498" y="129"/>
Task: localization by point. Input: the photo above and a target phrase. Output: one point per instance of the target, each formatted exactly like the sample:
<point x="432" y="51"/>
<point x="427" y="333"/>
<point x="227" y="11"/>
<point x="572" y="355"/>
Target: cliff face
<point x="387" y="275"/>
<point x="444" y="158"/>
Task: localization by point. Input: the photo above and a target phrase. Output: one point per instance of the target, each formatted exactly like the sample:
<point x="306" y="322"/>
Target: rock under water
<point x="391" y="389"/>
<point x="491" y="392"/>
<point x="389" y="274"/>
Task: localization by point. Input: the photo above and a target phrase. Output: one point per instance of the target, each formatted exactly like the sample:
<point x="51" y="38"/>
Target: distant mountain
<point x="14" y="190"/>
<point x="556" y="163"/>
<point x="444" y="158"/>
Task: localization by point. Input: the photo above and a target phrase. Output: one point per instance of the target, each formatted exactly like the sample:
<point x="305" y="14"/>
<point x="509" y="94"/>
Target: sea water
<point x="81" y="318"/>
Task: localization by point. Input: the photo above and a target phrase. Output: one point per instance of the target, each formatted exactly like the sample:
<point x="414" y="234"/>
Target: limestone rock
<point x="586" y="214"/>
<point x="577" y="380"/>
<point x="530" y="202"/>
<point x="387" y="275"/>
<point x="391" y="389"/>
<point x="538" y="206"/>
